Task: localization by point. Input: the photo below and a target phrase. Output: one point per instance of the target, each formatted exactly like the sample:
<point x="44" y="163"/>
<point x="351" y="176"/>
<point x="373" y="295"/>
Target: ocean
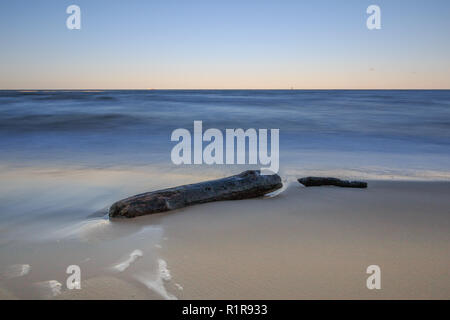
<point x="66" y="156"/>
<point x="405" y="133"/>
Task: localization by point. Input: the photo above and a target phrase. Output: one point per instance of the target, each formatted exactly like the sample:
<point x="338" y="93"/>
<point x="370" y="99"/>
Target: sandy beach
<point x="116" y="115"/>
<point x="304" y="243"/>
<point x="67" y="156"/>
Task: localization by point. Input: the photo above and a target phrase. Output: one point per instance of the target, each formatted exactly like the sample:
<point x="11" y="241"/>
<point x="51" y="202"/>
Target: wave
<point x="68" y="122"/>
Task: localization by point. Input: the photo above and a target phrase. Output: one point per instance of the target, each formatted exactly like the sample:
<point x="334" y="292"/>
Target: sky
<point x="225" y="44"/>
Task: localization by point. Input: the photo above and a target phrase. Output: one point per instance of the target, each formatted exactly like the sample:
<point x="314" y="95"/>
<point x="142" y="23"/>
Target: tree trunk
<point x="248" y="184"/>
<point x="319" y="181"/>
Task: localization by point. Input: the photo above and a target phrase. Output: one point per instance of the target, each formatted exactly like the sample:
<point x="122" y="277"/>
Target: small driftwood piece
<point x="248" y="184"/>
<point x="320" y="181"/>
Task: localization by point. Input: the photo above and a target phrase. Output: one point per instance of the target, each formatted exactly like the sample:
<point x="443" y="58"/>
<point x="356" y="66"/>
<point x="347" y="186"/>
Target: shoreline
<point x="304" y="243"/>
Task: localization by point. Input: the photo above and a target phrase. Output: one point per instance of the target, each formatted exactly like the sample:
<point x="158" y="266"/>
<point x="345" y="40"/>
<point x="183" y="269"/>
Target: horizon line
<point x="229" y="89"/>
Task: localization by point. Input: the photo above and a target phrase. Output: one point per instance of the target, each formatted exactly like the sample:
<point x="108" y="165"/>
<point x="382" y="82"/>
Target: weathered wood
<point x="248" y="184"/>
<point x="320" y="181"/>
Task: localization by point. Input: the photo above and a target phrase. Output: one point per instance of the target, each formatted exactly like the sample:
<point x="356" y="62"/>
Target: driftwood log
<point x="248" y="184"/>
<point x="319" y="181"/>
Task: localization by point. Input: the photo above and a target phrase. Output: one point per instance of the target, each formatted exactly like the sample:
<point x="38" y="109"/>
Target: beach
<point x="66" y="157"/>
<point x="210" y="157"/>
<point x="303" y="243"/>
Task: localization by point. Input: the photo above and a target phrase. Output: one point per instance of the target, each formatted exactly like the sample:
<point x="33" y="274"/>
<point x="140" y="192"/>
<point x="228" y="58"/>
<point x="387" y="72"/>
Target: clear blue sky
<point x="224" y="44"/>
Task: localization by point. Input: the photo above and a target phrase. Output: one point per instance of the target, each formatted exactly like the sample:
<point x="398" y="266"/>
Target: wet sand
<point x="305" y="243"/>
<point x="316" y="243"/>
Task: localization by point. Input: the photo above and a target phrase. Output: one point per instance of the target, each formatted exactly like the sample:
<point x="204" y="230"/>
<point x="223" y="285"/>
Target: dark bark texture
<point x="320" y="181"/>
<point x="248" y="184"/>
